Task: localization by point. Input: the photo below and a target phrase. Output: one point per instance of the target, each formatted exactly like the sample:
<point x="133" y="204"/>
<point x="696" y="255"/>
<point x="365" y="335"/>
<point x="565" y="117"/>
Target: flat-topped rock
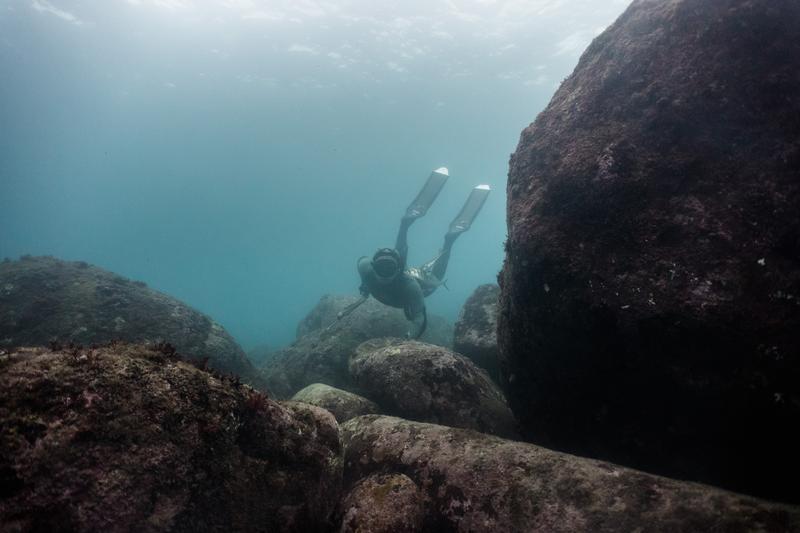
<point x="480" y="483"/>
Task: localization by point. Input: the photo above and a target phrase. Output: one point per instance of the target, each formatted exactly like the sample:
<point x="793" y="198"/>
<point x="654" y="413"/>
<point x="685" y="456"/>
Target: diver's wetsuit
<point x="404" y="287"/>
<point x="409" y="288"/>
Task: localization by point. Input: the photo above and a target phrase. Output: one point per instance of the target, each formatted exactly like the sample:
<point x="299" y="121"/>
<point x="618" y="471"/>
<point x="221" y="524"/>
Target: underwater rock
<point x="343" y="404"/>
<point x="383" y="503"/>
<point x="46" y="299"/>
<point x="318" y="357"/>
<point x="261" y="354"/>
<point x="429" y="383"/>
<point x="371" y="320"/>
<point x="475" y="332"/>
<point x="129" y="438"/>
<point x="320" y="353"/>
<point x="650" y="302"/>
<point x="477" y="482"/>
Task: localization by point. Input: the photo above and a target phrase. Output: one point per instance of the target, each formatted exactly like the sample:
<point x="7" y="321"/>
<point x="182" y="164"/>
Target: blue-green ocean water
<point x="241" y="155"/>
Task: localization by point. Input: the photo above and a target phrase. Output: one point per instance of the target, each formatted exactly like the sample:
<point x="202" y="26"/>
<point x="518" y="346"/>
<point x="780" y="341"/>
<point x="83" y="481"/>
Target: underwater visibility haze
<point x="447" y="325"/>
<point x="241" y="155"/>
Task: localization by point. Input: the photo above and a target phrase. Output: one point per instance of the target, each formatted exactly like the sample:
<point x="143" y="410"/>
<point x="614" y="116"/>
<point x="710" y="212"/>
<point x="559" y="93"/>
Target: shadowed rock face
<point x="318" y="357"/>
<point x="476" y="482"/>
<point x="429" y="383"/>
<point x="320" y="354"/>
<point x="43" y="299"/>
<point x="650" y="307"/>
<point x="127" y="438"/>
<point x="475" y="332"/>
<point x="342" y="404"/>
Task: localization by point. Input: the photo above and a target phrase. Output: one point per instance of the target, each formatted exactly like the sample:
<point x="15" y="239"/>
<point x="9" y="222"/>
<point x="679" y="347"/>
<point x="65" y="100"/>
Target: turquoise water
<point x="242" y="155"/>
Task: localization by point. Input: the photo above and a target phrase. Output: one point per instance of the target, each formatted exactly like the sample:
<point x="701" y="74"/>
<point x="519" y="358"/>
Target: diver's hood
<point x="386" y="264"/>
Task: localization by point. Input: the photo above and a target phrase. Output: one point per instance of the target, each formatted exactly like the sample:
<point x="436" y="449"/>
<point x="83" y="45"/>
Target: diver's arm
<point x="352" y="307"/>
<point x="364" y="271"/>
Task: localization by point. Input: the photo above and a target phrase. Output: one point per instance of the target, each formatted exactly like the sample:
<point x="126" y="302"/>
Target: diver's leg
<point x="470" y="210"/>
<point x="439" y="266"/>
<point x="459" y="225"/>
<point x="401" y="244"/>
<point x="428" y="193"/>
<point x="418" y="208"/>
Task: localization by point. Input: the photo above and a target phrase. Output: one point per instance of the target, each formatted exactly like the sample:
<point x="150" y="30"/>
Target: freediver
<point x="387" y="278"/>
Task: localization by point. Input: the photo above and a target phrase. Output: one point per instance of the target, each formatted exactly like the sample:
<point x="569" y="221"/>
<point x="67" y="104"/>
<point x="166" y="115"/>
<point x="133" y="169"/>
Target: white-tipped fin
<point x="484" y="187"/>
<point x="442" y="170"/>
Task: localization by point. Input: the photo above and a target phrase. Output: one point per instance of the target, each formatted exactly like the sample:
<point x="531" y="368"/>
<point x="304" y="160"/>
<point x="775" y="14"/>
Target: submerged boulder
<point x="371" y="320"/>
<point x="343" y="404"/>
<point x="476" y="482"/>
<point x="650" y="307"/>
<point x="323" y="347"/>
<point x="475" y="332"/>
<point x="383" y="503"/>
<point x="127" y="438"/>
<point x="44" y="299"/>
<point x="317" y="357"/>
<point x="429" y="383"/>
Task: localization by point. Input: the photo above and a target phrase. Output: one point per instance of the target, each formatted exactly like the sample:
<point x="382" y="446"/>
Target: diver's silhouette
<point x="386" y="277"/>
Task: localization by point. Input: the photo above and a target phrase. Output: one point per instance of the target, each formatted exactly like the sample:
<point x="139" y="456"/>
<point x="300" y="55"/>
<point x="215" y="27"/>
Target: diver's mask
<point x="386" y="264"/>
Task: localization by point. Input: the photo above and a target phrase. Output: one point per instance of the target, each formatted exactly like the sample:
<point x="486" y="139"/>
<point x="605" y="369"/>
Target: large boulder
<point x="342" y="404"/>
<point x="324" y="345"/>
<point x="44" y="299"/>
<point x="650" y="306"/>
<point x="371" y="320"/>
<point x="476" y="482"/>
<point x="128" y="438"/>
<point x="317" y="357"/>
<point x="383" y="503"/>
<point x="424" y="382"/>
<point x="475" y="332"/>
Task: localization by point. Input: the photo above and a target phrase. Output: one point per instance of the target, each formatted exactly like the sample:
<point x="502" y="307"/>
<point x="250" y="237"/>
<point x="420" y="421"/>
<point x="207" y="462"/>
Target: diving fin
<point x="428" y="194"/>
<point x="471" y="208"/>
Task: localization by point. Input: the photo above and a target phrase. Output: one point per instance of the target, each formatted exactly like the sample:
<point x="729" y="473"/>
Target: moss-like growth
<point x="131" y="438"/>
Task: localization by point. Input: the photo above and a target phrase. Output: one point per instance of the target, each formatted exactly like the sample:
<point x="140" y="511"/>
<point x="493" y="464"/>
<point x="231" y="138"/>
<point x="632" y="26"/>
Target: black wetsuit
<point x="407" y="291"/>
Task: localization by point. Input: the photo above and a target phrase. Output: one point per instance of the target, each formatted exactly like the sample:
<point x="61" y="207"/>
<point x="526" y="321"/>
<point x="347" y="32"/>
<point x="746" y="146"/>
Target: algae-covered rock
<point x="343" y="404"/>
<point x="318" y="357"/>
<point x="320" y="354"/>
<point x="44" y="299"/>
<point x="383" y="503"/>
<point x="371" y="321"/>
<point x="480" y="483"/>
<point x="127" y="438"/>
<point x="475" y="333"/>
<point x="429" y="383"/>
<point x="650" y="307"/>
